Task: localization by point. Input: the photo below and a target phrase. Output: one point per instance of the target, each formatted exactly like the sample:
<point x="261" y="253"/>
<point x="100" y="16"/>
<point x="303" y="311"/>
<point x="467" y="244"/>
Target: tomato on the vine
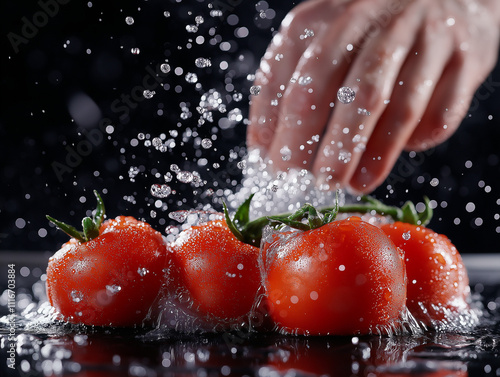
<point x="342" y="278"/>
<point x="110" y="274"/>
<point x="437" y="278"/>
<point x="215" y="272"/>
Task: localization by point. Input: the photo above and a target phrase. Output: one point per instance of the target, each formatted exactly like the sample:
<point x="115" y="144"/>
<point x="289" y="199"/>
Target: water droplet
<point x="148" y="94"/>
<point x="76" y="296"/>
<point x="191" y="28"/>
<point x="113" y="289"/>
<point x="278" y="57"/>
<point x="166" y="14"/>
<point x="274" y="102"/>
<point x="165" y="68"/>
<point x="307" y="34"/>
<point x="304" y="80"/>
<point x="175" y="168"/>
<point x="344" y="156"/>
<point x="363" y="111"/>
<point x="434" y="182"/>
<point x="191" y="77"/>
<point x="199" y="20"/>
<point x="237" y="97"/>
<point x="179" y="216"/>
<point x="206" y="143"/>
<point x="216" y="13"/>
<point x="185" y="176"/>
<point x="135" y="50"/>
<point x="203" y="62"/>
<point x="160" y="191"/>
<point x="286" y="153"/>
<point x="235" y="115"/>
<point x="255" y="90"/>
<point x="129" y="20"/>
<point x="168" y="177"/>
<point x="241" y="164"/>
<point x="142" y="271"/>
<point x="133" y="171"/>
<point x="406" y="235"/>
<point x="157" y="142"/>
<point x="346" y="95"/>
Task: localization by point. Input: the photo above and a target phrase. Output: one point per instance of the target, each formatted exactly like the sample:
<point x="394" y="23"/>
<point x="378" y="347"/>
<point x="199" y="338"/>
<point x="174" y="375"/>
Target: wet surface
<point x="45" y="347"/>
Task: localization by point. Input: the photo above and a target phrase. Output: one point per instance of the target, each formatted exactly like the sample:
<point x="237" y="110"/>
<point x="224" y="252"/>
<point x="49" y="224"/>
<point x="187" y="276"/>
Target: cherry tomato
<point x="437" y="278"/>
<point x="345" y="277"/>
<point x="217" y="273"/>
<point x="110" y="280"/>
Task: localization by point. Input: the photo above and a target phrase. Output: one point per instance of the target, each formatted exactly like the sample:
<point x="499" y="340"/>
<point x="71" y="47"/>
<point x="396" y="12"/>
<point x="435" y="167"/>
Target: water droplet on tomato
<point x="406" y="236"/>
<point x="76" y="296"/>
<point x="113" y="289"/>
<point x="142" y="271"/>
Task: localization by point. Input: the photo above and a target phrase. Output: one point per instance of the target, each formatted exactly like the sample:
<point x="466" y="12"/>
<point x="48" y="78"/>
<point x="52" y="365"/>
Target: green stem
<point x="251" y="232"/>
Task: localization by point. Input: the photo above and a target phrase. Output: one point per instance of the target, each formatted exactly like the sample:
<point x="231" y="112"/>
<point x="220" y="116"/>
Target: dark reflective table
<point x="46" y="349"/>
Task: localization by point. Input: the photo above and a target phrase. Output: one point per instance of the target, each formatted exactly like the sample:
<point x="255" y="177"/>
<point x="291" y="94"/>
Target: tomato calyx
<point x="250" y="232"/>
<point x="90" y="225"/>
<point x="308" y="217"/>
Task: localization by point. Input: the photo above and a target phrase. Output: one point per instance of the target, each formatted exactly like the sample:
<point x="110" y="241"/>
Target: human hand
<point x="414" y="66"/>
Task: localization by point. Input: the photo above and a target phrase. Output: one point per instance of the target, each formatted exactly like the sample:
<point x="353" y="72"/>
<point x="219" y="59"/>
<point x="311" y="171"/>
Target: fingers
<point x="307" y="102"/>
<point x="449" y="104"/>
<point x="276" y="69"/>
<point x="410" y="98"/>
<point x="373" y="75"/>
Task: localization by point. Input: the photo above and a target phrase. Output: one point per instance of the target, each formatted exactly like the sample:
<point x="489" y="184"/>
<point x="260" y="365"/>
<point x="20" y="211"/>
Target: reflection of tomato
<point x="345" y="277"/>
<point x="437" y="278"/>
<point x="218" y="273"/>
<point x="110" y="280"/>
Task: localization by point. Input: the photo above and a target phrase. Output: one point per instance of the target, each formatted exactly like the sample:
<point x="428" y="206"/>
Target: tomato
<point x="111" y="279"/>
<point x="217" y="273"/>
<point x="437" y="278"/>
<point x="345" y="277"/>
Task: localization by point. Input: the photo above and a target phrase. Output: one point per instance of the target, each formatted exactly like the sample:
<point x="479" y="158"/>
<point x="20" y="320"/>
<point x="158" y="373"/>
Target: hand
<point x="414" y="66"/>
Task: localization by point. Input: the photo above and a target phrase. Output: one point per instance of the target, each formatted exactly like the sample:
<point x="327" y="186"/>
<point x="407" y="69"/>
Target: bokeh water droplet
<point x="191" y="77"/>
<point x="206" y="143"/>
<point x="203" y="62"/>
<point x="255" y="90"/>
<point x="148" y="94"/>
<point x="160" y="190"/>
<point x="185" y="176"/>
<point x="113" y="289"/>
<point x="129" y="20"/>
<point x="165" y="68"/>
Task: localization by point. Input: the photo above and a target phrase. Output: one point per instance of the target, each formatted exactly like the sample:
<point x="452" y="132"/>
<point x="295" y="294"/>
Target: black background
<point x="37" y="130"/>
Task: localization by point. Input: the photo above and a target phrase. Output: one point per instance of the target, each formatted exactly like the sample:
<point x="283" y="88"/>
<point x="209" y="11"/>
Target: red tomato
<point x="111" y="280"/>
<point x="218" y="273"/>
<point x="345" y="277"/>
<point x="437" y="278"/>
